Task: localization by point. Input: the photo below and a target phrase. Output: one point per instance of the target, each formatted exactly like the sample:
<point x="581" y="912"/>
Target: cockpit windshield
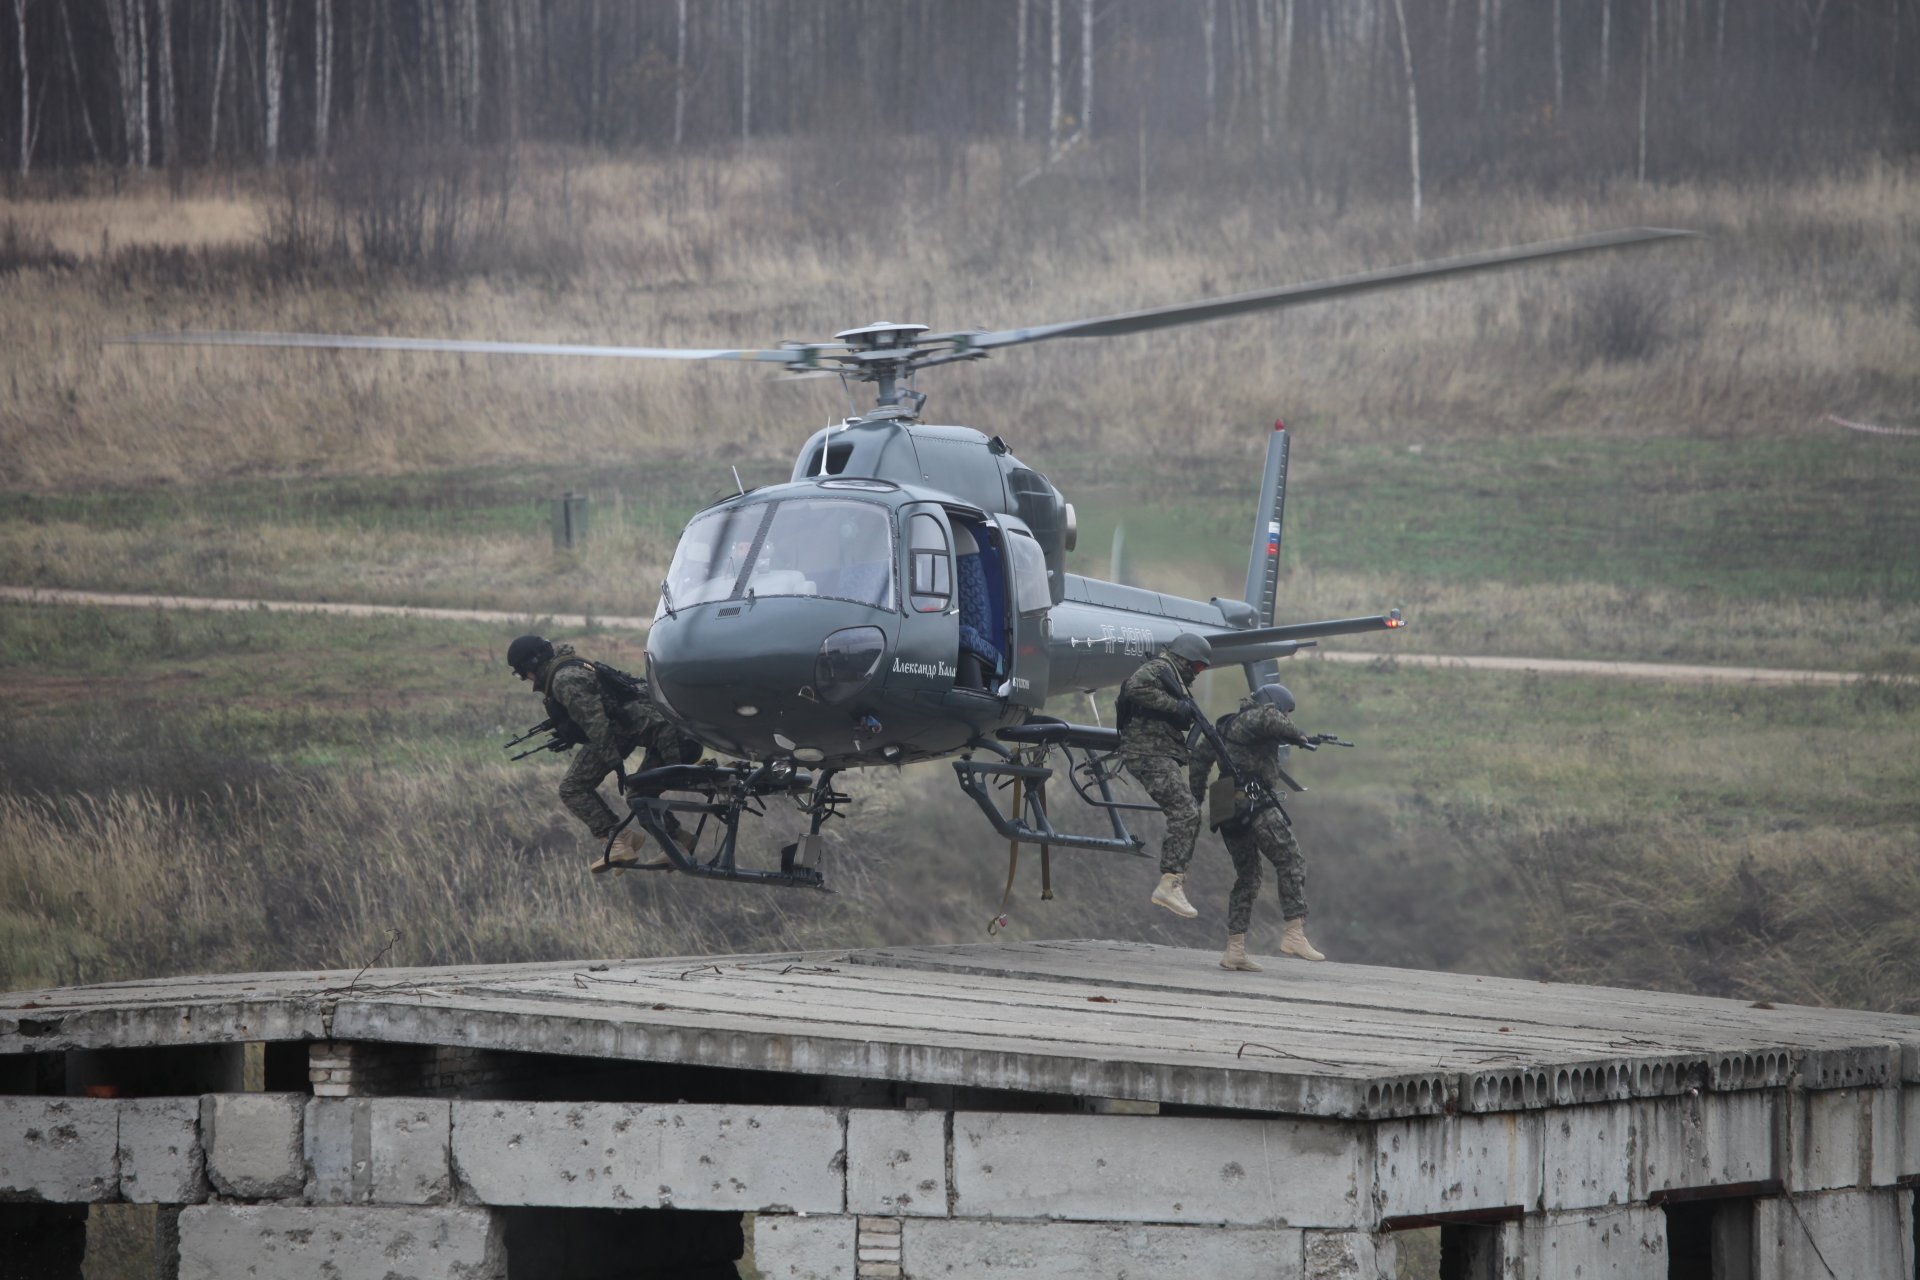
<point x="829" y="547"/>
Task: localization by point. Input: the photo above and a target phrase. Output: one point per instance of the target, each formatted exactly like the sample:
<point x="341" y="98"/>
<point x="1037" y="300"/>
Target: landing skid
<point x="723" y="793"/>
<point x="1022" y="764"/>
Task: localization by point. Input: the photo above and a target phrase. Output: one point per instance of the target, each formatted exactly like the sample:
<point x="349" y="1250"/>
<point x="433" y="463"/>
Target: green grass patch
<point x="1823" y="515"/>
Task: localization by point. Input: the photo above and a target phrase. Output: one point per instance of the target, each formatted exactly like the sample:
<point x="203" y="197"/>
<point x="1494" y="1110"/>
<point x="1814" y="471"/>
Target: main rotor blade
<point x="1297" y="294"/>
<point x="351" y="342"/>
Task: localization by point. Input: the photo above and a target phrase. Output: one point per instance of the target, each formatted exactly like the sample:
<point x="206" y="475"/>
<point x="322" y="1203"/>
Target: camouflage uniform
<point x="572" y="692"/>
<point x="1253" y="738"/>
<point x="1153" y="747"/>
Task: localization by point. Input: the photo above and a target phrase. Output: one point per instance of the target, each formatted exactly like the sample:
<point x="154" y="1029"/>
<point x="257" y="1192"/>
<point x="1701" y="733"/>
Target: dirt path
<point x="1543" y="666"/>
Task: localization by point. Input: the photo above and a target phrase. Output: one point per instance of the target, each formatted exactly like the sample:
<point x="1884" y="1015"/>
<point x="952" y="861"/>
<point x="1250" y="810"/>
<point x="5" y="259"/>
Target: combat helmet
<point x="528" y="652"/>
<point x="1192" y="648"/>
<point x="1275" y="696"/>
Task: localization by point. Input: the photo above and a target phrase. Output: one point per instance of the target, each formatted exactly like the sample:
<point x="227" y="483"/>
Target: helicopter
<point x="903" y="597"/>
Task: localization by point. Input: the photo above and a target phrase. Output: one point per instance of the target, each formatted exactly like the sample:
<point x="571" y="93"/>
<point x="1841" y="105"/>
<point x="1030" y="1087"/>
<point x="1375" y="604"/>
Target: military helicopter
<point x="903" y="597"/>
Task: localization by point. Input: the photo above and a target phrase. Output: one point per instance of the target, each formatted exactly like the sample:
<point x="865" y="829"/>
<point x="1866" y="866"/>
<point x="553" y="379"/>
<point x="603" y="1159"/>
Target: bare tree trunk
<point x="1481" y="22"/>
<point x="1606" y="49"/>
<point x="223" y="19"/>
<point x="1053" y="115"/>
<point x="322" y="72"/>
<point x="1559" y="65"/>
<point x="680" y="75"/>
<point x="276" y="43"/>
<point x="141" y="50"/>
<point x="469" y="46"/>
<point x="169" y="125"/>
<point x="1086" y="70"/>
<point x="1413" y="106"/>
<point x="1020" y="72"/>
<point x="1646" y="74"/>
<point x="1263" y="43"/>
<point x="1283" y="65"/>
<point x="26" y="100"/>
<point x="73" y="67"/>
<point x="1209" y="20"/>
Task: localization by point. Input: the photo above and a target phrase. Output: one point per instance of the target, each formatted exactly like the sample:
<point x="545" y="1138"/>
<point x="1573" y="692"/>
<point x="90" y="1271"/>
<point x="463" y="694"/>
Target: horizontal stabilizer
<point x="1228" y="645"/>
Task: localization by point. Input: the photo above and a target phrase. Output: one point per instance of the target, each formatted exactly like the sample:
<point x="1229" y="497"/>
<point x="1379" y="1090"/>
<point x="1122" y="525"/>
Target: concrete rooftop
<point x="1081" y="1018"/>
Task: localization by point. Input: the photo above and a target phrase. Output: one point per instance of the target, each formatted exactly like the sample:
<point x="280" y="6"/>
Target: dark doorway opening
<point x="1709" y="1239"/>
<point x="623" y="1244"/>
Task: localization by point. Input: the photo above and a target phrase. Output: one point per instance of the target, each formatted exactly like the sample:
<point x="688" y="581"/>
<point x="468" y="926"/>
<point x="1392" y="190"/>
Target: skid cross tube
<point x="726" y="793"/>
<point x="1031" y="824"/>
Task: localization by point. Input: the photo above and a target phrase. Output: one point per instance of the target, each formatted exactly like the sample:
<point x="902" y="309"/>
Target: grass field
<point x="1624" y="459"/>
<point x="262" y="791"/>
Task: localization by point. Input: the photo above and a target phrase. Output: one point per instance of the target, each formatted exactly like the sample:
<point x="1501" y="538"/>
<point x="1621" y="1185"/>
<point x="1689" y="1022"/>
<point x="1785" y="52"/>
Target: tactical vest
<point x="618" y="690"/>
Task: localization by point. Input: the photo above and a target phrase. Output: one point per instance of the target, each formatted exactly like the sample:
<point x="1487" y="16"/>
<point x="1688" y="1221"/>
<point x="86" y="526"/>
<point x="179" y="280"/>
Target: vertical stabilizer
<point x="1263" y="558"/>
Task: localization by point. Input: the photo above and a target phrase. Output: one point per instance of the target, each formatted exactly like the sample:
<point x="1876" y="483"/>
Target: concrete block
<point x="295" y="1242"/>
<point x="1601" y="1244"/>
<point x="1076" y="1250"/>
<point x="64" y="1150"/>
<point x="1910" y="1130"/>
<point x="1441" y="1164"/>
<point x="1293" y="1173"/>
<point x="1885" y="1159"/>
<point x="793" y="1248"/>
<point x="897" y="1162"/>
<point x="1830" y="1139"/>
<point x="1348" y="1255"/>
<point x="378" y="1150"/>
<point x="1589" y="1155"/>
<point x="253" y="1144"/>
<point x="161" y="1160"/>
<point x="1843" y="1233"/>
<point x="612" y="1155"/>
<point x="1706" y="1139"/>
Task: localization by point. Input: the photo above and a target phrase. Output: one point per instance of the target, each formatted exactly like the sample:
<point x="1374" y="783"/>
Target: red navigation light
<point x="1279" y="425"/>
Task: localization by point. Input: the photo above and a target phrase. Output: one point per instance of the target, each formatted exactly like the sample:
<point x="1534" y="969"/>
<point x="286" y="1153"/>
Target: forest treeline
<point x="1323" y="93"/>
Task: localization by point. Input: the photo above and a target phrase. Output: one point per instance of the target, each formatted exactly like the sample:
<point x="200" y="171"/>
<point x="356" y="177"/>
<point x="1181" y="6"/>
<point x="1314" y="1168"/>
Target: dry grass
<point x="1792" y="309"/>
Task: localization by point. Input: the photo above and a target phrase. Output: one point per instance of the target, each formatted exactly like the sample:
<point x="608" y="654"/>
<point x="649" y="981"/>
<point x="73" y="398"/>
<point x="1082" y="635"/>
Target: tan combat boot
<point x="1294" y="941"/>
<point x="1171" y="896"/>
<point x="1236" y="957"/>
<point x="628" y="851"/>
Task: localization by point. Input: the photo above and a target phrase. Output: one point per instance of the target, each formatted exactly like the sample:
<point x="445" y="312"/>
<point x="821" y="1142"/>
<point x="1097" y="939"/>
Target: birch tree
<point x="80" y="95"/>
<point x="1086" y="70"/>
<point x="322" y="72"/>
<point x="746" y="70"/>
<point x="1053" y="114"/>
<point x="273" y="54"/>
<point x="1413" y="107"/>
<point x="223" y="22"/>
<point x="26" y="100"/>
<point x="169" y="127"/>
<point x="680" y="75"/>
<point x="1020" y="72"/>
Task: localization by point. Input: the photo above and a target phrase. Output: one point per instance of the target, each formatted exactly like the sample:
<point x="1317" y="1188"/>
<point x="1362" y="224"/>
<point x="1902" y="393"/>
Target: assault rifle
<point x="564" y="738"/>
<point x="1233" y="780"/>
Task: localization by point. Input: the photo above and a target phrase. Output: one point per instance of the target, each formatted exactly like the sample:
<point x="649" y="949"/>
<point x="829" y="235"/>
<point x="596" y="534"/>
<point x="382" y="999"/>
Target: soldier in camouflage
<point x="607" y="731"/>
<point x="1154" y="717"/>
<point x="1253" y="737"/>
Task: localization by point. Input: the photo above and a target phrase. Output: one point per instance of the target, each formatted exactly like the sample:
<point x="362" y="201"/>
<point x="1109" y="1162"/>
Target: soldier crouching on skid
<point x="607" y="733"/>
<point x="1253" y="736"/>
<point x="1153" y="720"/>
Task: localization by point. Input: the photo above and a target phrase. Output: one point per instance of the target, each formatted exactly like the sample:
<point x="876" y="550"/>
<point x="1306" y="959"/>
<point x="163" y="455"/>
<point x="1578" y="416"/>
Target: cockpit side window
<point x="931" y="588"/>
